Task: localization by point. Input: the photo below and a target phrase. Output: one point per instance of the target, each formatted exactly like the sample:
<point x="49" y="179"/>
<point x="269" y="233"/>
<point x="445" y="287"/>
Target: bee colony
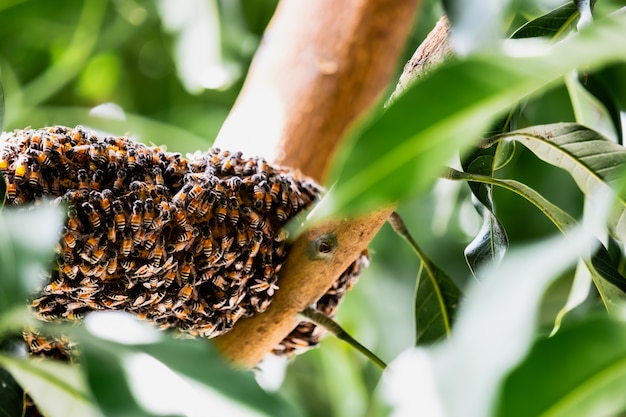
<point x="187" y="244"/>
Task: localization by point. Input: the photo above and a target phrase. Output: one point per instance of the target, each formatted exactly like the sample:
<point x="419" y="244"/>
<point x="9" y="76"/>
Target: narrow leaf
<point x="1" y="107"/>
<point x="11" y="396"/>
<point x="590" y="158"/>
<point x="57" y="388"/>
<point x="579" y="371"/>
<point x="399" y="152"/>
<point x="461" y="377"/>
<point x="491" y="242"/>
<point x="436" y="301"/>
<point x="610" y="283"/>
<point x="553" y="24"/>
<point x="134" y="370"/>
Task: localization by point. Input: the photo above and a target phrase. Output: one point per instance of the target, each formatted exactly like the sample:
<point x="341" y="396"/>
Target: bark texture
<point x="321" y="64"/>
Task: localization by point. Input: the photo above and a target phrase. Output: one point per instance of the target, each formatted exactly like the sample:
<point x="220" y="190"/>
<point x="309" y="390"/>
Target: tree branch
<point x="321" y="64"/>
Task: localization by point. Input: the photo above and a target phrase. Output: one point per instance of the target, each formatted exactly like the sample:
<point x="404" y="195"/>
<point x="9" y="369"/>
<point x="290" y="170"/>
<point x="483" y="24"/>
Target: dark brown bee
<point x="120" y="217"/>
<point x="92" y="215"/>
<point x="137" y="216"/>
<point x="83" y="180"/>
<point x="97" y="178"/>
<point x="118" y="185"/>
<point x="127" y="244"/>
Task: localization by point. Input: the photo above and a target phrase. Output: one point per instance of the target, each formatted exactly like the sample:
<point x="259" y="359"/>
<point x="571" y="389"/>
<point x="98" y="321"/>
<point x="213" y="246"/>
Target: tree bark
<point x="321" y="64"/>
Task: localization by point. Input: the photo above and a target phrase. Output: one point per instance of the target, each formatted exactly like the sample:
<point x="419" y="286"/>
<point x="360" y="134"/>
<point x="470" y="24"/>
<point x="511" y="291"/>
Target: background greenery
<point x="59" y="60"/>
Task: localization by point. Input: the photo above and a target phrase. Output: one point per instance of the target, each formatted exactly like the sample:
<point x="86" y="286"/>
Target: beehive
<point x="191" y="244"/>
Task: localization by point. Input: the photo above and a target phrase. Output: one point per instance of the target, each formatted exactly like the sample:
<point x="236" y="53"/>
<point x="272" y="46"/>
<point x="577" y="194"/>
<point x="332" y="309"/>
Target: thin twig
<point x="335" y="329"/>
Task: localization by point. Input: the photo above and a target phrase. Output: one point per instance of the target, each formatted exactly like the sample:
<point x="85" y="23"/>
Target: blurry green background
<point x="173" y="74"/>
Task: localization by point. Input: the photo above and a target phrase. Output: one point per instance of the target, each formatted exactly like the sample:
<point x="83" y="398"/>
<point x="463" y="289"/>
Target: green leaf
<point x="1" y="107"/>
<point x="491" y="242"/>
<point x="610" y="283"/>
<point x="495" y="327"/>
<point x="436" y="301"/>
<point x="133" y="370"/>
<point x="57" y="388"/>
<point x="400" y="152"/>
<point x="592" y="160"/>
<point x="579" y="371"/>
<point x="554" y="24"/>
<point x="26" y="249"/>
<point x="11" y="396"/>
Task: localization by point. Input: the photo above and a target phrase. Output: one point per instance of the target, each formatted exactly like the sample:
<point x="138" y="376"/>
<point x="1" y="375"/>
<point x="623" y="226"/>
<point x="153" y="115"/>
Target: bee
<point x="92" y="215"/>
<point x="259" y="196"/>
<point x="207" y="246"/>
<point x="249" y="167"/>
<point x="47" y="146"/>
<point x="83" y="180"/>
<point x="112" y="265"/>
<point x="136" y="216"/>
<point x="184" y="294"/>
<point x="132" y="159"/>
<point x="21" y="168"/>
<point x="97" y="153"/>
<point x="96" y="179"/>
<point x="120" y="217"/>
<point x="227" y="242"/>
<point x="127" y="244"/>
<point x="105" y="203"/>
<point x="193" y="205"/>
<point x="4" y="161"/>
<point x="114" y="300"/>
<point x="274" y="190"/>
<point x="269" y="272"/>
<point x="220" y="282"/>
<point x="233" y="210"/>
<point x="242" y="235"/>
<point x="183" y="240"/>
<point x="263" y="167"/>
<point x="229" y="258"/>
<point x="157" y="174"/>
<point x="221" y="212"/>
<point x="264" y="286"/>
<point x="183" y="273"/>
<point x="148" y="215"/>
<point x="162" y="218"/>
<point x="168" y="278"/>
<point x="180" y="197"/>
<point x="247" y="267"/>
<point x="11" y="192"/>
<point x="138" y="237"/>
<point x="180" y="313"/>
<point x="281" y="214"/>
<point x="215" y="256"/>
<point x="254" y="217"/>
<point x="69" y="271"/>
<point x="69" y="240"/>
<point x="181" y="218"/>
<point x="118" y="184"/>
<point x="42" y="157"/>
<point x="90" y="244"/>
<point x="97" y="255"/>
<point x="58" y="286"/>
<point x="55" y="185"/>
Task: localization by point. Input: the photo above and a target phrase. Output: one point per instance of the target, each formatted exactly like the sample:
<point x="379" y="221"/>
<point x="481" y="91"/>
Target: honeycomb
<point x="191" y="244"/>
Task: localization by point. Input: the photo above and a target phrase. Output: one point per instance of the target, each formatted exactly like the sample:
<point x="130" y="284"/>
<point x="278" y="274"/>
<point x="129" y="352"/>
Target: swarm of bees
<point x="192" y="244"/>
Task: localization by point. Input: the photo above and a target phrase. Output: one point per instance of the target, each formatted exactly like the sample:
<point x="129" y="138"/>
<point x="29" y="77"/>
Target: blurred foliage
<point x="60" y="61"/>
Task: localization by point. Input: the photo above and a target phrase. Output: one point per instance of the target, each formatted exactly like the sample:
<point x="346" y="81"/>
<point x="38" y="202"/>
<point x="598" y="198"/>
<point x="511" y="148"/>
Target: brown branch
<point x="321" y="64"/>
